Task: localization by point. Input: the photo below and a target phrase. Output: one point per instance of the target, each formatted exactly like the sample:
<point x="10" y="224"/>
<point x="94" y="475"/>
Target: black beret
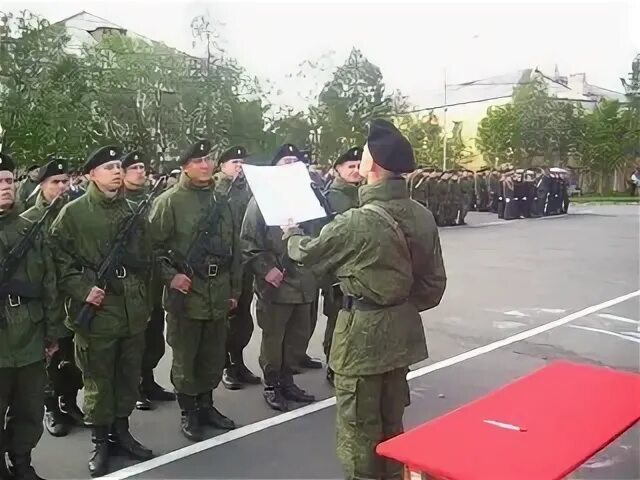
<point x="389" y="148"/>
<point x="198" y="149"/>
<point x="353" y="154"/>
<point x="6" y="163"/>
<point x="32" y="167"/>
<point x="286" y="150"/>
<point x="55" y="166"/>
<point x="131" y="158"/>
<point x="100" y="157"/>
<point x="233" y="153"/>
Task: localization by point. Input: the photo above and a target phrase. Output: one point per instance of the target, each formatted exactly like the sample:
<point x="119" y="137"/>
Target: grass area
<point x="605" y="199"/>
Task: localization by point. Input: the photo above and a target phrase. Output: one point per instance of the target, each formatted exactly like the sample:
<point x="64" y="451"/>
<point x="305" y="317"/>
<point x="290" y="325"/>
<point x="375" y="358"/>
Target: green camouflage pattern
<point x="263" y="249"/>
<point x="80" y="238"/>
<point x="24" y="191"/>
<point x="342" y="196"/>
<point x="174" y="218"/>
<point x="111" y="372"/>
<point x="30" y="324"/>
<point x="21" y="392"/>
<point x="198" y="353"/>
<point x="359" y="429"/>
<point x="240" y="319"/>
<point x="404" y="274"/>
<point x="33" y="215"/>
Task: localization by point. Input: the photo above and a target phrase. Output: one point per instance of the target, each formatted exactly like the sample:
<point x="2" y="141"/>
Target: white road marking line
<point x="633" y="334"/>
<point x="329" y="402"/>
<point x="488" y="224"/>
<point x="608" y="316"/>
<point x="516" y="313"/>
<point x="552" y="310"/>
<point x="606" y="332"/>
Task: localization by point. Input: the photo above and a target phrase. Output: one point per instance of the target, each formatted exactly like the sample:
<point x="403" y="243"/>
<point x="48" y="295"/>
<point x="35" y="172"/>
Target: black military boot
<point x="69" y="406"/>
<point x="121" y="436"/>
<point x="311" y="363"/>
<point x="274" y="398"/>
<point x="209" y="415"/>
<point x="143" y="403"/>
<point x="21" y="468"/>
<point x="245" y="375"/>
<point x="190" y="421"/>
<point x="5" y="474"/>
<point x="330" y="376"/>
<point x="292" y="392"/>
<point x="54" y="419"/>
<point x="99" y="459"/>
<point x="155" y="392"/>
<point x="230" y="378"/>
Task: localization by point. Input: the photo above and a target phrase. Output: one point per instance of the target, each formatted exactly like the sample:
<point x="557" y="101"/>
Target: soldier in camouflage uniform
<point x="432" y="192"/>
<point x="230" y="181"/>
<point x="387" y="255"/>
<point x="466" y="195"/>
<point x="109" y="352"/>
<point x="342" y="195"/>
<point x="29" y="328"/>
<point x="27" y="186"/>
<point x="285" y="293"/>
<point x="64" y="377"/>
<point x="136" y="188"/>
<point x="198" y="298"/>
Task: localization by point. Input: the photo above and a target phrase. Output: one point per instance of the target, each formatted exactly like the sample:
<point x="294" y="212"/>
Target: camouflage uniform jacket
<point x="403" y="274"/>
<point x="81" y="237"/>
<point x="174" y="218"/>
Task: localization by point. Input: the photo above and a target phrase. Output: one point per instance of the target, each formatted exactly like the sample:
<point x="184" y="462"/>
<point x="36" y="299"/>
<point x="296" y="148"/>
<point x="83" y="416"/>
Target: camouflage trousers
<point x="111" y="373"/>
<point x="332" y="305"/>
<point x="369" y="411"/>
<point x="285" y="333"/>
<point x="22" y="401"/>
<point x="240" y="323"/>
<point x="64" y="378"/>
<point x="199" y="351"/>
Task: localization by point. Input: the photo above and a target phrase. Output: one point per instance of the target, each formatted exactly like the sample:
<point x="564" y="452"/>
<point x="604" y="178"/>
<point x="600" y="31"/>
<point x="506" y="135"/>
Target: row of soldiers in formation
<point x="509" y="192"/>
<point x="204" y="298"/>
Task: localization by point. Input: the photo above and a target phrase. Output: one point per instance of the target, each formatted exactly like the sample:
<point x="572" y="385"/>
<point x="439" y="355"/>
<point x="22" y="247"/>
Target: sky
<point x="413" y="43"/>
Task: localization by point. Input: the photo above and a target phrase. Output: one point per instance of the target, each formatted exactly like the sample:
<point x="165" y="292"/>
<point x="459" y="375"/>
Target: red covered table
<point x="541" y="427"/>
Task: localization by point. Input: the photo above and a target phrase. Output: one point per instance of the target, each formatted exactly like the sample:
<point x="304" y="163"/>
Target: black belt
<point x="354" y="303"/>
<point x="212" y="270"/>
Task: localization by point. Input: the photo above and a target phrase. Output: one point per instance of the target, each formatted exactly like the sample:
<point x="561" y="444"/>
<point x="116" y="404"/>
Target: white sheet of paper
<point x="283" y="193"/>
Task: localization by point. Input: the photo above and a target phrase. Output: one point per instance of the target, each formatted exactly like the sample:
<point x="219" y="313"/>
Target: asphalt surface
<point x="504" y="278"/>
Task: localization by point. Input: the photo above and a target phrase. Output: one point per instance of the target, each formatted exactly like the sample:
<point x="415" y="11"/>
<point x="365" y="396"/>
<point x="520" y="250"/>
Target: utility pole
<point x="444" y="127"/>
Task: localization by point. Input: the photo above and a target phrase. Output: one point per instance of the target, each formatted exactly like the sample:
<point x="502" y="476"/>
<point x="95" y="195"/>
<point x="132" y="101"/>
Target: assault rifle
<point x="112" y="263"/>
<point x="13" y="290"/>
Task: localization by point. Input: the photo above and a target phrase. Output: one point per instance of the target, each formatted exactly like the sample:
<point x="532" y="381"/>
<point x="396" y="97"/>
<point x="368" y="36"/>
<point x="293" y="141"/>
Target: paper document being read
<point x="283" y="193"/>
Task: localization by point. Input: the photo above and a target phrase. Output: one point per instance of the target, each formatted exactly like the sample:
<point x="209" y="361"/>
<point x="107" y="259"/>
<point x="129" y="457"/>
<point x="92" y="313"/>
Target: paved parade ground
<point x="520" y="294"/>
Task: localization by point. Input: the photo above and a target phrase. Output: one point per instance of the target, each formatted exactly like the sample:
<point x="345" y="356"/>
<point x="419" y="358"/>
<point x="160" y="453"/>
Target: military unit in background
<point x="511" y="193"/>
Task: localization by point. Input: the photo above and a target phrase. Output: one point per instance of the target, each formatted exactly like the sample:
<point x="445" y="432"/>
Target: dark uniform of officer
<point x="64" y="377"/>
<point x="28" y="327"/>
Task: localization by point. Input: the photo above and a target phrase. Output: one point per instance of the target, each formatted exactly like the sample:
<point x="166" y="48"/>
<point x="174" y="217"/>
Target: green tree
<point x="534" y="124"/>
<point x="355" y="95"/>
<point x="46" y="106"/>
<point x="605" y="142"/>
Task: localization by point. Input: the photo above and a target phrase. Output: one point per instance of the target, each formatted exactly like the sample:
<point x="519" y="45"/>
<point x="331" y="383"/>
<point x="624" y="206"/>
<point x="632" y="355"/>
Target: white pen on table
<point x="506" y="426"/>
